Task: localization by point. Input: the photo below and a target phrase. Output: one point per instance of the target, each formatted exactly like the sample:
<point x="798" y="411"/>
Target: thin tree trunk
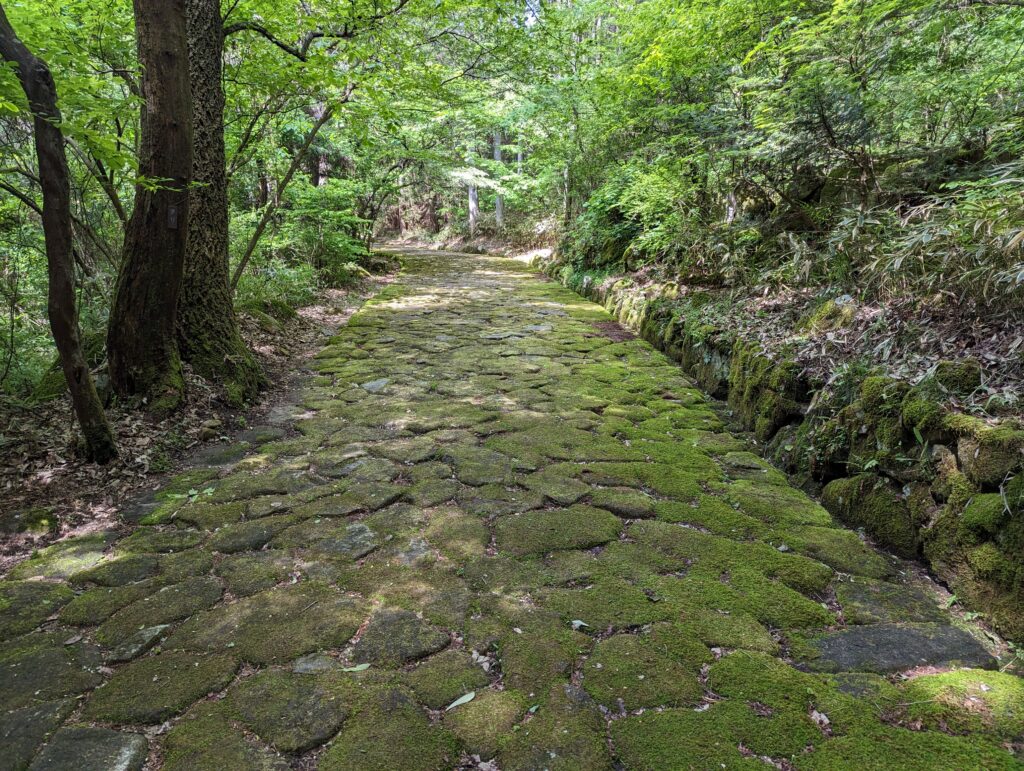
<point x="268" y="212"/>
<point x="37" y="82"/>
<point x="141" y="340"/>
<point x="208" y="336"/>
<point x="499" y="200"/>
<point x="474" y="209"/>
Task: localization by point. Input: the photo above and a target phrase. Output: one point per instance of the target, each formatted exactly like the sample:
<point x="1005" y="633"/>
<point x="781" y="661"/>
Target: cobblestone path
<point x="496" y="533"/>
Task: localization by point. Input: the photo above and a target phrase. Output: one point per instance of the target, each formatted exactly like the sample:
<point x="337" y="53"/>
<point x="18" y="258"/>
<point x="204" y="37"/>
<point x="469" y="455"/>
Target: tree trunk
<point x="208" y="336"/>
<point x="141" y="340"/>
<point x="499" y="199"/>
<point x="37" y="82"/>
<point x="474" y="209"/>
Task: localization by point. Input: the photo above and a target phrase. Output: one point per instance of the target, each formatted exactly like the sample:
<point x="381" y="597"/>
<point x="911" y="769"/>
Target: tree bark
<point x="141" y="340"/>
<point x="208" y="336"/>
<point x="499" y="199"/>
<point x="474" y="209"/>
<point x="39" y="88"/>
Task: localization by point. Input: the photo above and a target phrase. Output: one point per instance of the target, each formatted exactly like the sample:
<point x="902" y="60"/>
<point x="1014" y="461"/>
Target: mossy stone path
<point x="486" y="489"/>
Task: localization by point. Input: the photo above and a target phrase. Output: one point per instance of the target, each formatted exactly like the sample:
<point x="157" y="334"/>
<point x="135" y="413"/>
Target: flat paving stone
<point x="897" y="647"/>
<point x="92" y="749"/>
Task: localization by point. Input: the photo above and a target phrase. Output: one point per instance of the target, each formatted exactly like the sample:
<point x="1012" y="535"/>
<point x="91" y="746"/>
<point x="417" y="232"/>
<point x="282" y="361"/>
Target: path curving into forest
<point x="498" y="532"/>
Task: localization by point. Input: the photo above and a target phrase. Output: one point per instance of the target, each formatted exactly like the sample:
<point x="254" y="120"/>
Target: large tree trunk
<point x="141" y="341"/>
<point x="208" y="336"/>
<point x="39" y="88"/>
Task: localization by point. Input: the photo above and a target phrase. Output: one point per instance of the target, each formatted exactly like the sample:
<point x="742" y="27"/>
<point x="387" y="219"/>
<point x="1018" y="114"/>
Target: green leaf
<point x="461" y="700"/>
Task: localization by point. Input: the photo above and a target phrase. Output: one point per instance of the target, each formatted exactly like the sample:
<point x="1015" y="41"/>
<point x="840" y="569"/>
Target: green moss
<point x="26" y="604"/>
<point x="483" y="723"/>
<point x="711" y="555"/>
<point x="828" y="316"/>
<point x="867" y="501"/>
<point x="961" y="377"/>
<point x="711" y="739"/>
<point x="155" y="688"/>
<point x="443" y="678"/>
<point x="566" y="732"/>
<point x="167" y="604"/>
<point x="206" y="740"/>
<point x="155" y="540"/>
<point x="117" y="572"/>
<point x="983" y="517"/>
<point x="539" y="532"/>
<point x="881" y="396"/>
<point x="764" y="392"/>
<point x="923" y="414"/>
<point x="65" y="558"/>
<point x="390" y="731"/>
<point x="774" y="504"/>
<point x="887" y="747"/>
<point x="990" y="563"/>
<point x="628" y="668"/>
<point x="247" y="574"/>
<point x="727" y="629"/>
<point x="95" y="606"/>
<point x="607" y="604"/>
<point x="988" y="453"/>
<point x="966" y="701"/>
<point x="275" y="625"/>
<point x="291" y="712"/>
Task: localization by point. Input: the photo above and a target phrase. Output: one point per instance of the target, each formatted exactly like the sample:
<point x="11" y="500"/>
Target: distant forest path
<point x="498" y="532"/>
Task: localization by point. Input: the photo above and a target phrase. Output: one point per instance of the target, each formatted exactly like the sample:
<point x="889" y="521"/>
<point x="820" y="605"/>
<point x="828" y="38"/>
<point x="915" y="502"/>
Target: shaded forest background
<point x="831" y="148"/>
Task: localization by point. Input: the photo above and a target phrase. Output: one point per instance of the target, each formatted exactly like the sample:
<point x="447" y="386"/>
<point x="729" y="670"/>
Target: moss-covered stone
<point x="867" y="501"/>
<point x="276" y="625"/>
<point x="443" y="678"/>
<point x="966" y="701"/>
<point x="960" y="378"/>
<point x="169" y="603"/>
<point x="206" y="740"/>
<point x="607" y="604"/>
<point x="730" y="734"/>
<point x="94" y="606"/>
<point x="26" y="604"/>
<point x="291" y="712"/>
<point x="153" y="689"/>
<point x="624" y="502"/>
<point x="390" y="731"/>
<point x="65" y="558"/>
<point x="866" y="601"/>
<point x="627" y="669"/>
<point x="539" y="532"/>
<point x="396" y="637"/>
<point x="566" y="732"/>
<point x="44" y="667"/>
<point x="158" y="540"/>
<point x="482" y="724"/>
<point x="246" y="574"/>
<point x="120" y="571"/>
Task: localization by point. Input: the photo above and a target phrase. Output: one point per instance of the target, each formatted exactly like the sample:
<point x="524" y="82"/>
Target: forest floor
<point x="47" y="492"/>
<point x="496" y="531"/>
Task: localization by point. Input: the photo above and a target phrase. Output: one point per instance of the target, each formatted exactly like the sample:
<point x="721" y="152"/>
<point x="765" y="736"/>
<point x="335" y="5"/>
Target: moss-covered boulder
<point x="870" y="502"/>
